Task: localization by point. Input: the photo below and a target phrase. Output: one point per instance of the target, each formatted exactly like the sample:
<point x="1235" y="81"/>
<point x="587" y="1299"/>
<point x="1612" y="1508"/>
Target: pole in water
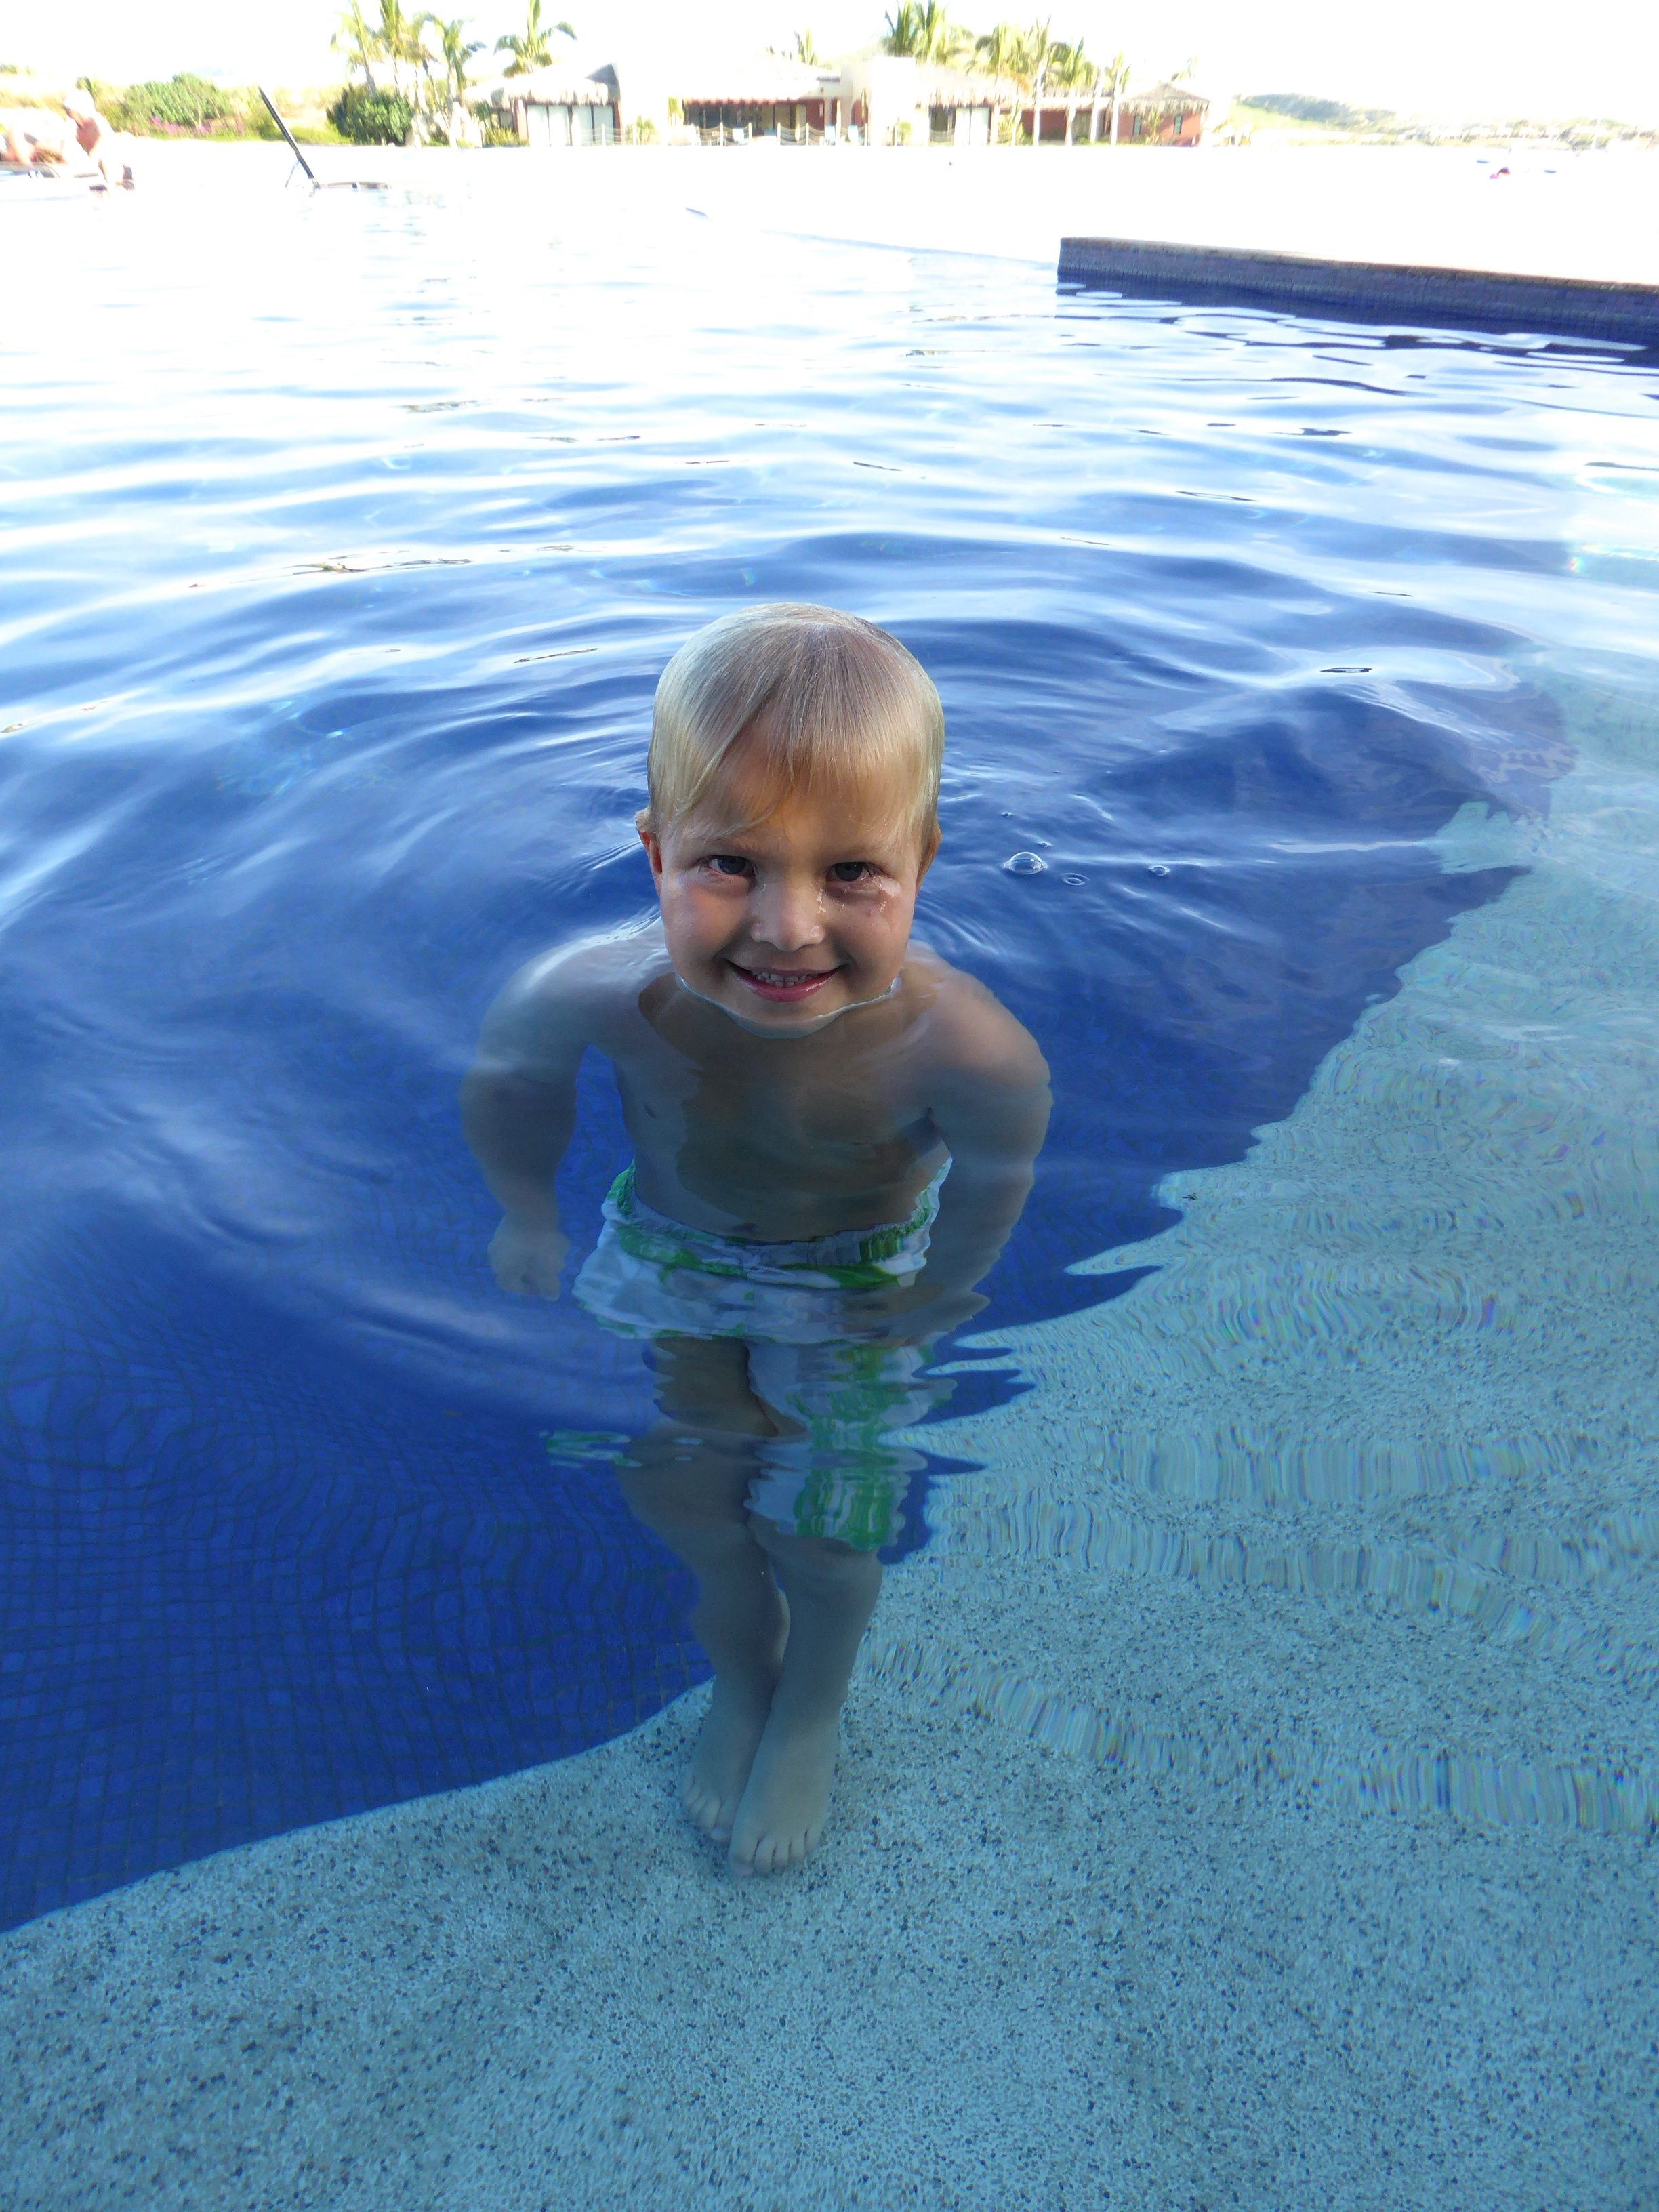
<point x="293" y="142"/>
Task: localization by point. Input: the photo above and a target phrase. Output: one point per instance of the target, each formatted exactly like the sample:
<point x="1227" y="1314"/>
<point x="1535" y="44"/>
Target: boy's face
<point x="794" y="919"/>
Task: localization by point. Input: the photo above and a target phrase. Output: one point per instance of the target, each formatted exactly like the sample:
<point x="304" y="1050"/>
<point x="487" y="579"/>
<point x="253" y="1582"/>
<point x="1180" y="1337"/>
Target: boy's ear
<point x="650" y="839"/>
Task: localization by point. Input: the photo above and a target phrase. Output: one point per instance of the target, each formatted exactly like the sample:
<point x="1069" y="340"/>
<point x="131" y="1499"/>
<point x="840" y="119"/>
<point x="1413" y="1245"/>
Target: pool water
<point x="348" y="538"/>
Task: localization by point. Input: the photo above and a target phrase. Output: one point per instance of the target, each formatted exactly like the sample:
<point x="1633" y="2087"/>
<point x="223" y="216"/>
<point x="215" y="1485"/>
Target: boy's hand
<point x="528" y="1261"/>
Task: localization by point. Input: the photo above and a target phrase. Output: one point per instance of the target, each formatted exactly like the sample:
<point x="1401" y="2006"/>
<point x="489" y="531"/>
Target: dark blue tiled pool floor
<point x="246" y="1588"/>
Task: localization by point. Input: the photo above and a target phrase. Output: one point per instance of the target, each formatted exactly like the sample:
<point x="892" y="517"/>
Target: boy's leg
<point x="831" y="1494"/>
<point x="687" y="1480"/>
<point x="832" y="1589"/>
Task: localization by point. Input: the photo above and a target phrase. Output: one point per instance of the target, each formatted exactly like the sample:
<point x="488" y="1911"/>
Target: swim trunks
<point x="841" y="1396"/>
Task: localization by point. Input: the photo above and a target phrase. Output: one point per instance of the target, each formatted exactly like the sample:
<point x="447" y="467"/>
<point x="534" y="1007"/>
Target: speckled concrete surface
<point x="1247" y="1800"/>
<point x="1386" y="1410"/>
<point x="1012" y="1979"/>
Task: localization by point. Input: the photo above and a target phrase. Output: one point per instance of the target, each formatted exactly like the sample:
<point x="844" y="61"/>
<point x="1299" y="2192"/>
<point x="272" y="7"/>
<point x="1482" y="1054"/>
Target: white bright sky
<point x="1471" y="57"/>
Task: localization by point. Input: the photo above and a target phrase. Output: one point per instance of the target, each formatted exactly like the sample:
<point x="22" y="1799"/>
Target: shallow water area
<point x="1250" y="1778"/>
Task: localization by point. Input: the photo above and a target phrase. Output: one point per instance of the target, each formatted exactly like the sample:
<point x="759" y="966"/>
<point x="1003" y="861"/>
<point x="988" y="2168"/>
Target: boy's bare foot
<point x="781" y="1819"/>
<point x="732" y="1727"/>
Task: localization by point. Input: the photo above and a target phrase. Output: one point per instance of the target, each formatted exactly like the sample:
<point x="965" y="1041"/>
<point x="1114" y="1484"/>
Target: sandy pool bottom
<point x="1248" y="1797"/>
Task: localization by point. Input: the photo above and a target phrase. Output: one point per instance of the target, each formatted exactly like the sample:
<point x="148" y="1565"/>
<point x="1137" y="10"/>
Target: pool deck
<point x="1247" y="1797"/>
<point x="1585" y="216"/>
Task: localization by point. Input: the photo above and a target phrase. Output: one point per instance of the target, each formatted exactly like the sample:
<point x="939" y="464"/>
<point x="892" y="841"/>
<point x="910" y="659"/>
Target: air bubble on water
<point x="1024" y="864"/>
<point x="1074" y="879"/>
<point x="1157" y="868"/>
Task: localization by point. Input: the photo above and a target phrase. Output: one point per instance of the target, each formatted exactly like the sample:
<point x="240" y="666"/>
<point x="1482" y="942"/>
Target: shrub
<point x="372" y="118"/>
<point x="255" y="116"/>
<point x="181" y="103"/>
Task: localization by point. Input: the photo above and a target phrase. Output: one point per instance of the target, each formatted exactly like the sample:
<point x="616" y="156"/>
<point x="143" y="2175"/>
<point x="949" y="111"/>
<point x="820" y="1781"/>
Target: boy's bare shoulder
<point x="572" y="996"/>
<point x="971" y="1035"/>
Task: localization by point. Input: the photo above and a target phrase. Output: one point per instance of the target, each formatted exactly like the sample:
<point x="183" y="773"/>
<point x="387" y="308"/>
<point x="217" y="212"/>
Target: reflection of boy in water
<point x="797" y="1077"/>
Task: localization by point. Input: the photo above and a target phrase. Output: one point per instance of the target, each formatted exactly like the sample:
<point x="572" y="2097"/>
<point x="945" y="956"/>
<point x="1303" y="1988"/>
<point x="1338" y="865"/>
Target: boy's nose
<point x="788" y="916"/>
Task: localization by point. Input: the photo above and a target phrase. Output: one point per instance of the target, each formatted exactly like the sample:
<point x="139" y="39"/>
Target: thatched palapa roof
<point x="1164" y="100"/>
<point x="749" y="81"/>
<point x="557" y="86"/>
<point x="939" y="86"/>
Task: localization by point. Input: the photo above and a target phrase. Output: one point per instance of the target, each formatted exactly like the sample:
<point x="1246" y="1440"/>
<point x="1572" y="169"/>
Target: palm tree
<point x="401" y="38"/>
<point x="455" y="51"/>
<point x="1005" y="52"/>
<point x="993" y="53"/>
<point x="1115" y="77"/>
<point x="999" y="50"/>
<point x="1032" y="67"/>
<point x="805" y="50"/>
<point x="535" y="49"/>
<point x="360" y="43"/>
<point x="899" y="37"/>
<point x="922" y="28"/>
<point x="1070" y="68"/>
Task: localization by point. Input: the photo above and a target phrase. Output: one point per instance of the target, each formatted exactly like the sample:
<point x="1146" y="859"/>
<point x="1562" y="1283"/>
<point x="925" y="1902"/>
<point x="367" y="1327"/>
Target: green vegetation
<point x="398" y="40"/>
<point x="455" y="51"/>
<point x="414" y="64"/>
<point x="924" y="30"/>
<point x="1287" y="109"/>
<point x="183" y="106"/>
<point x="188" y="103"/>
<point x="491" y="131"/>
<point x="189" y="107"/>
<point x="534" y="50"/>
<point x="1027" y="55"/>
<point x="368" y="118"/>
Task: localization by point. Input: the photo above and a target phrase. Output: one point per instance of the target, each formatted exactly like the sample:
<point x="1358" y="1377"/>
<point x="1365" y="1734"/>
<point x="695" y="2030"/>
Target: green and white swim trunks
<point x="840" y="1470"/>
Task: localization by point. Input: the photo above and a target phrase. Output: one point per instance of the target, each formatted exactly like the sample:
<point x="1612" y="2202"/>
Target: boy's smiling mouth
<point x="784" y="986"/>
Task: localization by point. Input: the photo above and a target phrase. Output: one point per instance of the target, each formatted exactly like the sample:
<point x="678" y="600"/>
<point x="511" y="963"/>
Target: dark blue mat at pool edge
<point x="1484" y="299"/>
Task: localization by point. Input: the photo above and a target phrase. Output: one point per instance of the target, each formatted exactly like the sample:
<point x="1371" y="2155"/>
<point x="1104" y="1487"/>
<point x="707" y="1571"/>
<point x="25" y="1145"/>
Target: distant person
<point x="81" y="138"/>
<point x="833" y="1132"/>
<point x="97" y="140"/>
<point x="35" y="137"/>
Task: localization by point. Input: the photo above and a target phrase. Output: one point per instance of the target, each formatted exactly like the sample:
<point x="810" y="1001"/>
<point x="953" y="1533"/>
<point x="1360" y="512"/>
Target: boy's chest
<point x="778" y="1112"/>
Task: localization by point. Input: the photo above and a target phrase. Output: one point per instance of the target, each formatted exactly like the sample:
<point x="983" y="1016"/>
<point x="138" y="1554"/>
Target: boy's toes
<point x="774" y="1854"/>
<point x="708" y="1809"/>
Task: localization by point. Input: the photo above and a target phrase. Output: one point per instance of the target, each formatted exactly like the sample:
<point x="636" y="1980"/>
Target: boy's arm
<point x="991" y="1104"/>
<point x="518" y="1110"/>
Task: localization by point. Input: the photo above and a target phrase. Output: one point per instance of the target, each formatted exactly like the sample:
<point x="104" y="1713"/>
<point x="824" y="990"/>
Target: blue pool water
<point x="346" y="541"/>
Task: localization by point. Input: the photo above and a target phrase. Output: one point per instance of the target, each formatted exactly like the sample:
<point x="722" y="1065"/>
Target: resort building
<point x="558" y="106"/>
<point x="962" y="107"/>
<point x="871" y="98"/>
<point x="1162" y="115"/>
<point x="766" y="97"/>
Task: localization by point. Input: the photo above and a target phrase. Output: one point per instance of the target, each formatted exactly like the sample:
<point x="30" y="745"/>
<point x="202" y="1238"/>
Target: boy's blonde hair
<point x="840" y="705"/>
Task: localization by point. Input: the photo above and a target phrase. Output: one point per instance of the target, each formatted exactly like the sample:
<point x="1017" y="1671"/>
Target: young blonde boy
<point x="833" y="1135"/>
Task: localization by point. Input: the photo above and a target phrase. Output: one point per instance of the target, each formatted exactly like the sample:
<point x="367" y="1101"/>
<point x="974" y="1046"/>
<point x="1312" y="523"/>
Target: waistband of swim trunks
<point x="846" y="1247"/>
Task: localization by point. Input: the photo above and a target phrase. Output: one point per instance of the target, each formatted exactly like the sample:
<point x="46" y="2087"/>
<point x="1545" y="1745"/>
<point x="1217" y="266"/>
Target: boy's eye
<point x="851" y="871"/>
<point x="729" y="864"/>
